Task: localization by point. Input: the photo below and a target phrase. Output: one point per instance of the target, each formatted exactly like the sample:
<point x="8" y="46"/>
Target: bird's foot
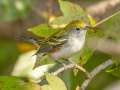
<point x="63" y="64"/>
<point x="80" y="67"/>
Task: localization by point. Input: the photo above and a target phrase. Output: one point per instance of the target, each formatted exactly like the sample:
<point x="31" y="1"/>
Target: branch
<point x="95" y="71"/>
<point x="70" y="66"/>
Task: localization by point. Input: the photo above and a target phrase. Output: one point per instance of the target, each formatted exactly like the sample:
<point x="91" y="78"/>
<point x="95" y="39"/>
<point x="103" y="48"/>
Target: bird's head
<point x="77" y="28"/>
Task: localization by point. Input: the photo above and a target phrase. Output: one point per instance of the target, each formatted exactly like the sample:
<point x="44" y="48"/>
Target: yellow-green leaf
<point x="114" y="70"/>
<point x="43" y="30"/>
<point x="54" y="83"/>
<point x="14" y="83"/>
<point x="71" y="12"/>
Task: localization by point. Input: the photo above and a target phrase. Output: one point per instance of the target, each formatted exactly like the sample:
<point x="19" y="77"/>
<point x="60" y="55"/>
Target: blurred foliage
<point x="114" y="70"/>
<point x="25" y="47"/>
<point x="14" y="9"/>
<point x="110" y="27"/>
<point x="15" y="83"/>
<point x="111" y="31"/>
<point x="8" y="55"/>
<point x="73" y="14"/>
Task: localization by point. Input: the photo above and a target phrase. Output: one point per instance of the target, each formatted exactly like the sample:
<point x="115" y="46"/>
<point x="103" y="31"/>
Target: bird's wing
<point x="46" y="46"/>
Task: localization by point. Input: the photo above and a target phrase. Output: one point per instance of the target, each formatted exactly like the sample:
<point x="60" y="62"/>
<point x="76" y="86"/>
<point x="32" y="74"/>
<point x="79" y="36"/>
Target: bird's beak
<point x="93" y="30"/>
<point x="90" y="28"/>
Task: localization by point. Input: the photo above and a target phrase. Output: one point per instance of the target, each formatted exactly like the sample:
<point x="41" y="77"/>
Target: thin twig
<point x="104" y="20"/>
<point x="95" y="71"/>
<point x="70" y="66"/>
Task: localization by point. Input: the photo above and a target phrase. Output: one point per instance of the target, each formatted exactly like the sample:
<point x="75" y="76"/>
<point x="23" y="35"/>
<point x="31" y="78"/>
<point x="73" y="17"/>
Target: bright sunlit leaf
<point x="54" y="83"/>
<point x="25" y="64"/>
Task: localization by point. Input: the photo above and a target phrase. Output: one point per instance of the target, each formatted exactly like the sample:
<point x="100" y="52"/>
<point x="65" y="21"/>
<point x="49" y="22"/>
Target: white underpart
<point x="74" y="44"/>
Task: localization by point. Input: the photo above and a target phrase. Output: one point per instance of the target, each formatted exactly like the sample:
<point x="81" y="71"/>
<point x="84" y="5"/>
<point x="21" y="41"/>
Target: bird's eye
<point x="77" y="29"/>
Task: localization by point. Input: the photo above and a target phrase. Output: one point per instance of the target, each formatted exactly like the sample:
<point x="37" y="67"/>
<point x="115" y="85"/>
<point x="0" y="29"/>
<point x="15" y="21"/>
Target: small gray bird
<point x="62" y="47"/>
<point x="75" y="41"/>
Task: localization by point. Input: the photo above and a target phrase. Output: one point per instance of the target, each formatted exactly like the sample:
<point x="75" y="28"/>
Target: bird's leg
<point x="63" y="64"/>
<point x="81" y="68"/>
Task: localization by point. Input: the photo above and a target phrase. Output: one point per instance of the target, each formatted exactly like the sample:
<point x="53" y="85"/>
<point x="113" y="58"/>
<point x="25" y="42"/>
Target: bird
<point x="74" y="43"/>
<point x="62" y="47"/>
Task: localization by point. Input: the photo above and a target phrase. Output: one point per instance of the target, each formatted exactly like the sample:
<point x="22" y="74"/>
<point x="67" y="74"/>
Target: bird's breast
<point x="72" y="46"/>
<point x="76" y="43"/>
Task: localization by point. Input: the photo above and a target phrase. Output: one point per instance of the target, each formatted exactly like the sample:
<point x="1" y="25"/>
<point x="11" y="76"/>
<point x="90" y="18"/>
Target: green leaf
<point x="67" y="7"/>
<point x="71" y="12"/>
<point x="69" y="78"/>
<point x="61" y="21"/>
<point x="85" y="54"/>
<point x="14" y="83"/>
<point x="114" y="70"/>
<point x="54" y="83"/>
<point x="43" y="30"/>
